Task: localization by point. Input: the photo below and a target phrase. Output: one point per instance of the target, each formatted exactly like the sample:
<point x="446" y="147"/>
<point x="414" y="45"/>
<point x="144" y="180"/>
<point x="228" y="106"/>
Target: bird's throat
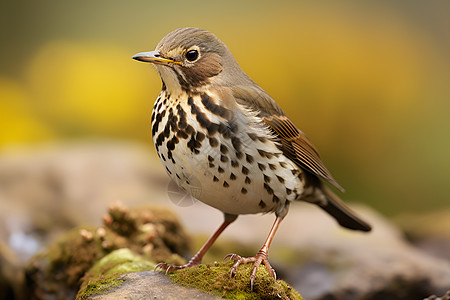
<point x="171" y="80"/>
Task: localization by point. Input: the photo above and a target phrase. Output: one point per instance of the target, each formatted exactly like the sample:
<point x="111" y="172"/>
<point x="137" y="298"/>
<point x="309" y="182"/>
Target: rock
<point x="151" y="285"/>
<point x="214" y="279"/>
<point x="154" y="233"/>
<point x="106" y="273"/>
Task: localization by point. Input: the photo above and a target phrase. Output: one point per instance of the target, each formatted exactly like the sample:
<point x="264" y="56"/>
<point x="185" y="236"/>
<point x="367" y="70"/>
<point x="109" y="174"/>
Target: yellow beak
<point x="155" y="58"/>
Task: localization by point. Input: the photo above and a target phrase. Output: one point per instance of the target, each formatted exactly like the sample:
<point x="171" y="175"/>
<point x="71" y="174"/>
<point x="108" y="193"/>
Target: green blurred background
<point x="368" y="82"/>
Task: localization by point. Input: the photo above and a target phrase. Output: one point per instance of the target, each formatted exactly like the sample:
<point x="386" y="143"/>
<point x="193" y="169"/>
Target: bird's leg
<point x="261" y="257"/>
<point x="197" y="258"/>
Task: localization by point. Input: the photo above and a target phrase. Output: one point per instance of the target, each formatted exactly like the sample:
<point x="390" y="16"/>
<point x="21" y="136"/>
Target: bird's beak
<point x="155" y="58"/>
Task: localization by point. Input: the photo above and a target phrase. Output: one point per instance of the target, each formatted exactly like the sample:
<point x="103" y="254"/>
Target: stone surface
<point x="151" y="285"/>
<point x="45" y="192"/>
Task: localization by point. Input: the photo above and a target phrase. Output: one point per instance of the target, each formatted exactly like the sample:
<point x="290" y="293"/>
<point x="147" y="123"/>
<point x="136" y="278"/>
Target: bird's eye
<point x="192" y="55"/>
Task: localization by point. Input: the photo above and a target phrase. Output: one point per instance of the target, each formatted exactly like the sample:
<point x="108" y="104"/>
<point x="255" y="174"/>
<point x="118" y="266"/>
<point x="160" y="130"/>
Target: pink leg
<point x="197" y="258"/>
<point x="260" y="257"/>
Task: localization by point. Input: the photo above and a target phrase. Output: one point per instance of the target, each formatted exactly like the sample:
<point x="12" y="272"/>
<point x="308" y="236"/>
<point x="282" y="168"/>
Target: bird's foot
<point x="167" y="268"/>
<point x="260" y="257"/>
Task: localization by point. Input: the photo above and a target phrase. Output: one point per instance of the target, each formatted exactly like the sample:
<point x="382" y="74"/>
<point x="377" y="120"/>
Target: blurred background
<point x="369" y="83"/>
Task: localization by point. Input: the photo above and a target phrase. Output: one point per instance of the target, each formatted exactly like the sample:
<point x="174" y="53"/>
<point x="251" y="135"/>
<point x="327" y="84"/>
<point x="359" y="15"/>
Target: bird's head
<point x="189" y="59"/>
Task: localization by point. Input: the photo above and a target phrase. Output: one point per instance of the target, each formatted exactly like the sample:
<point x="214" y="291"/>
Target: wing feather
<point x="299" y="148"/>
<point x="293" y="141"/>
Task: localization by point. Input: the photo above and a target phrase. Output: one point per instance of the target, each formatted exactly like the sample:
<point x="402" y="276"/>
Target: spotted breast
<point x="226" y="158"/>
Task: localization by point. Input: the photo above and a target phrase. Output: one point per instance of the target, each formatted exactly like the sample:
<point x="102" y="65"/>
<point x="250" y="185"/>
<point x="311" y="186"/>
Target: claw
<point x="231" y="257"/>
<point x="235" y="266"/>
<point x="260" y="257"/>
<point x="162" y="266"/>
<point x="270" y="269"/>
<point x="166" y="268"/>
<point x="170" y="268"/>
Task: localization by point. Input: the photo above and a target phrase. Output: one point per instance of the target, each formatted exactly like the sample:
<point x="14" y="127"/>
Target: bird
<point x="229" y="144"/>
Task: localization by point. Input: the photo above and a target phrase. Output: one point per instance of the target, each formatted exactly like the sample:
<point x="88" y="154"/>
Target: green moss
<point x="106" y="273"/>
<point x="154" y="233"/>
<point x="215" y="279"/>
<point x="102" y="285"/>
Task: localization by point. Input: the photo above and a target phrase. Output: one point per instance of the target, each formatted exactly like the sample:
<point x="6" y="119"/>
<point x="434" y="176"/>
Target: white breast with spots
<point x="232" y="165"/>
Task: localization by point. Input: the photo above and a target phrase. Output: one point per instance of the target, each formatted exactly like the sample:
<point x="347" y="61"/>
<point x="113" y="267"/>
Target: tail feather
<point x="343" y="215"/>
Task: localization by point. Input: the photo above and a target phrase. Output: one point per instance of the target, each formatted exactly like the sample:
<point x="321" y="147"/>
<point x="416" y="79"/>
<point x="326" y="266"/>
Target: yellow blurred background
<point x="368" y="82"/>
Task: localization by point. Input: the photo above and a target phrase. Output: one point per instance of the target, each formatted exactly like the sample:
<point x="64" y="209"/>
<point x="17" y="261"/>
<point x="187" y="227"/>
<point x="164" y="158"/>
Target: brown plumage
<point x="296" y="145"/>
<point x="214" y="123"/>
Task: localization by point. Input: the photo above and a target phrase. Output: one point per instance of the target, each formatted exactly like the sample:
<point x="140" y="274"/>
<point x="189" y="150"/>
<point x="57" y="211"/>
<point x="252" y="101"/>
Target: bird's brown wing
<point x="299" y="148"/>
<point x="294" y="142"/>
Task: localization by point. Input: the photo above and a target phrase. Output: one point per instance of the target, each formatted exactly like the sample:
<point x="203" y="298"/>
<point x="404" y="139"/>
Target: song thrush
<point x="225" y="141"/>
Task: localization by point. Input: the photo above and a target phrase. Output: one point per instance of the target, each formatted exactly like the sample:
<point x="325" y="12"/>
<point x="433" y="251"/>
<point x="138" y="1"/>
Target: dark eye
<point x="192" y="55"/>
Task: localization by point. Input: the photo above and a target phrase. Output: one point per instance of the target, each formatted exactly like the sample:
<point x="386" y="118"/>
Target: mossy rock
<point x="106" y="273"/>
<point x="215" y="279"/>
<point x="154" y="233"/>
<point x="57" y="271"/>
